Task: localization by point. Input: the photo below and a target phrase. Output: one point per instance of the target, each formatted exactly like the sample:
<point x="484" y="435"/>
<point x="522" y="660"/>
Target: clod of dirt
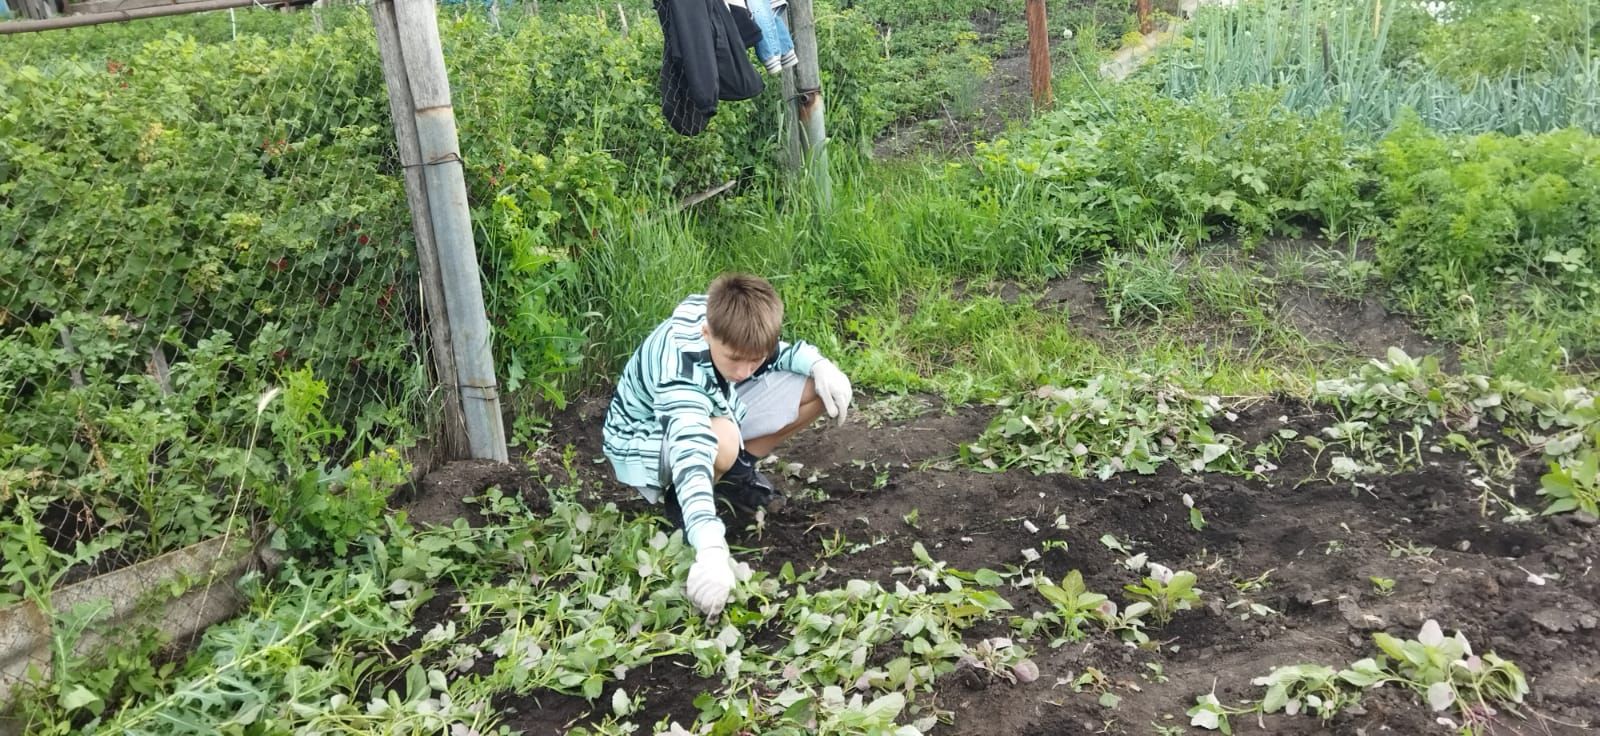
<point x="972" y="676"/>
<point x="1358" y="619"/>
<point x="1560" y="622"/>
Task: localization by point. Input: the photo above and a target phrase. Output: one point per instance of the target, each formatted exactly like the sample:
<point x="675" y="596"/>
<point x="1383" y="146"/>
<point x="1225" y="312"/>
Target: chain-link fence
<point x="211" y="309"/>
<point x="209" y="301"/>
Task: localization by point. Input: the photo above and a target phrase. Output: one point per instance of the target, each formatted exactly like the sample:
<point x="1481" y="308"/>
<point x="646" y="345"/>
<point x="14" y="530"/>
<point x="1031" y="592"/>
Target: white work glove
<point x="834" y="388"/>
<point x="710" y="580"/>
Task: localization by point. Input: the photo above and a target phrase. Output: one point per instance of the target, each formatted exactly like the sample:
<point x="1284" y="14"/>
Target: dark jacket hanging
<point x="703" y="61"/>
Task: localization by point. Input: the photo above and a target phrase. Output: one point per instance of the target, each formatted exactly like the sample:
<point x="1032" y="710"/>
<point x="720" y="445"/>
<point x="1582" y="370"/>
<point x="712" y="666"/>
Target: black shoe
<point x="747" y="489"/>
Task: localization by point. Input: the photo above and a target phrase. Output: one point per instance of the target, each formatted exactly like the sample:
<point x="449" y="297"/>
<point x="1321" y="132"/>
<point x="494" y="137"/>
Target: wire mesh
<point x="209" y="307"/>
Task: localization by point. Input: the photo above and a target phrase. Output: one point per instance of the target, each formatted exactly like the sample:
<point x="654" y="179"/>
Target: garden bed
<point x="1310" y="550"/>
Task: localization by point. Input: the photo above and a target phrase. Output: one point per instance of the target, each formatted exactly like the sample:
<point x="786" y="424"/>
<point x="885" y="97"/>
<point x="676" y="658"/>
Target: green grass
<point x="899" y="280"/>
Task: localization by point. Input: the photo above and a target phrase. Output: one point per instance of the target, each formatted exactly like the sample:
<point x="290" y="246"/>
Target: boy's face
<point x="733" y="367"/>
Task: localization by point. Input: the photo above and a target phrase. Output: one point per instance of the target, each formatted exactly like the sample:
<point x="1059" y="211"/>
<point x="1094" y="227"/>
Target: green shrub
<point x="136" y="467"/>
<point x="1470" y="215"/>
<point x="1148" y="164"/>
<point x="215" y="187"/>
<point x="1484" y="38"/>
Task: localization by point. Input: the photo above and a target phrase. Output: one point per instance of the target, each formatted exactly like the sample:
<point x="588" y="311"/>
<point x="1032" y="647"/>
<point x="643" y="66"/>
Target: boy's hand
<point x="710" y="580"/>
<point x="834" y="388"/>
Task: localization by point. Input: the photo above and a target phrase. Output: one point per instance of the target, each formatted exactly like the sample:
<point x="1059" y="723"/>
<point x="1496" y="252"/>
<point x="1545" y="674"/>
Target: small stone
<point x="1584" y="518"/>
<point x="1463" y="545"/>
<point x="1429" y="578"/>
<point x="1565" y="553"/>
<point x="1510" y="578"/>
<point x="1587" y="621"/>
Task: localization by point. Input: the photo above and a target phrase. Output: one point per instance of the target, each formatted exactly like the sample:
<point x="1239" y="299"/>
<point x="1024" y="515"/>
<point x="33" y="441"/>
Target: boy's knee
<point x="728" y="443"/>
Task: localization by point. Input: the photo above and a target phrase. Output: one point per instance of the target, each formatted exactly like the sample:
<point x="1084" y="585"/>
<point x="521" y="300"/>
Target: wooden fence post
<point x="808" y="107"/>
<point x="452" y="442"/>
<point x="414" y="42"/>
<point x="1039" y="54"/>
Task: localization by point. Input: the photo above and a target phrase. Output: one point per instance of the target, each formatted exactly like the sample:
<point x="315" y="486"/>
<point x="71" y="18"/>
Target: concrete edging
<point x="206" y="572"/>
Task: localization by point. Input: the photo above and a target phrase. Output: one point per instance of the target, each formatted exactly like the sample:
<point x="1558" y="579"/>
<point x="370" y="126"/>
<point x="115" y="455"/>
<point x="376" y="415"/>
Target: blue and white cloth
<point x="776" y="47"/>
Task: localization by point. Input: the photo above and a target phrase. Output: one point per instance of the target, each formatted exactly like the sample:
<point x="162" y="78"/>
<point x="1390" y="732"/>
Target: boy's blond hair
<point x="745" y="313"/>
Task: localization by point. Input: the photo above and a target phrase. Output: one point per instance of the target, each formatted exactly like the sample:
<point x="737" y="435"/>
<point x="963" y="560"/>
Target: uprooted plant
<point x="1111" y="424"/>
<point x="1441" y="670"/>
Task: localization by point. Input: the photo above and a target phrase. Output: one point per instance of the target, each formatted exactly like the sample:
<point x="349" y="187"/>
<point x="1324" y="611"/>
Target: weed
<point x="1197" y="521"/>
<point x="1259" y="582"/>
<point x="893" y="409"/>
<point x="1144" y="284"/>
<point x="834" y="546"/>
<point x="1409" y="550"/>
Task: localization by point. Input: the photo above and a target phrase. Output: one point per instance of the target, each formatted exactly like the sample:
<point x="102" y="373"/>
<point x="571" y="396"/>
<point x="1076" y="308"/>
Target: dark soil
<point x="1318" y="543"/>
<point x="1337" y="324"/>
<point x="440" y="497"/>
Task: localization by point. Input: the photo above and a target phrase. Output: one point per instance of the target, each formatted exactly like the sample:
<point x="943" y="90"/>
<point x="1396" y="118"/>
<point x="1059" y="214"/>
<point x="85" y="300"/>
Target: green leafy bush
<point x="1481" y="38"/>
<point x="215" y="187"/>
<point x="142" y="468"/>
<point x="1472" y="215"/>
<point x="1111" y="175"/>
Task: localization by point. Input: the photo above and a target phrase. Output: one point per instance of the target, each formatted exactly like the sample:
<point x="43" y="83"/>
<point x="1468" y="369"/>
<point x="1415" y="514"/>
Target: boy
<point x="711" y="390"/>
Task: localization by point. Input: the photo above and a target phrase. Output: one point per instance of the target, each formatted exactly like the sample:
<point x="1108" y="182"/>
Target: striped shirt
<point x="666" y="398"/>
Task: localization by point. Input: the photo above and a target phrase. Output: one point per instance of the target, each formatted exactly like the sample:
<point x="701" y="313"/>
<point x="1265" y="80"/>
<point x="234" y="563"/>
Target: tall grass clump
<point x="1331" y="55"/>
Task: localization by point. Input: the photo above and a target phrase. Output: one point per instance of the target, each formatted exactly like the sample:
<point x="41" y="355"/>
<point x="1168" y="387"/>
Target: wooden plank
<point x="94" y="19"/>
<point x="444" y="174"/>
<point x="111" y="6"/>
<point x="809" y="107"/>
